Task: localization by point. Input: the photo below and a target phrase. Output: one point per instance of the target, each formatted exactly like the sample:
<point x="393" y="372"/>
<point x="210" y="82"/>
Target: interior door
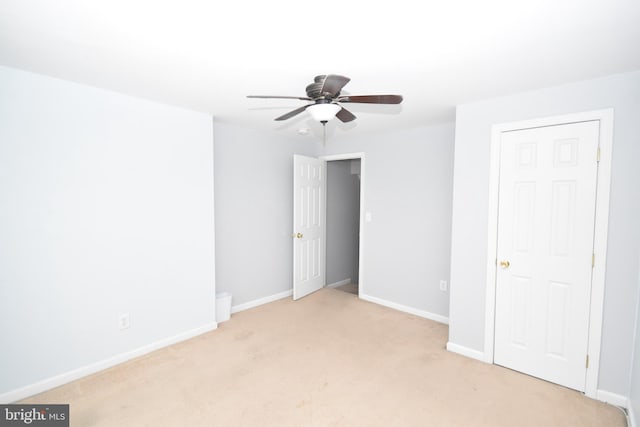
<point x="309" y="198"/>
<point x="544" y="262"/>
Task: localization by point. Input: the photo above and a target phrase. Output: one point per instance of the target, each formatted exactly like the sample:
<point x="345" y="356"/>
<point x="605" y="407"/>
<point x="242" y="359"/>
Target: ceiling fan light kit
<point x="323" y="112"/>
<point x="325" y="94"/>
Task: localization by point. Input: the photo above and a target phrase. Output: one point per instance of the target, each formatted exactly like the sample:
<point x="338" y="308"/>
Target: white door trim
<point x="600" y="236"/>
<point x="354" y="156"/>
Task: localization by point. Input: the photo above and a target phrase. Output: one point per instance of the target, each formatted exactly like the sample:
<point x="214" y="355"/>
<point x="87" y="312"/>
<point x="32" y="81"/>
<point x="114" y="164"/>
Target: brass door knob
<point x="505" y="264"/>
<point x="299" y="235"/>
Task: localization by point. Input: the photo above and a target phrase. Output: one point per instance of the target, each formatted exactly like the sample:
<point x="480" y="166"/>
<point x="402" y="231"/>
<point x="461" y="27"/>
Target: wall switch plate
<point x="124" y="321"/>
<point x="443" y="285"/>
<point x="368" y="217"/>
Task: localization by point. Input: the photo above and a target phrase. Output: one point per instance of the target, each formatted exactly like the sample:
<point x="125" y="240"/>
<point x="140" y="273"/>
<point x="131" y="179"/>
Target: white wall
<point x="470" y="210"/>
<point x="343" y="221"/>
<point x="106" y="208"/>
<point x="254" y="211"/>
<point x="407" y="187"/>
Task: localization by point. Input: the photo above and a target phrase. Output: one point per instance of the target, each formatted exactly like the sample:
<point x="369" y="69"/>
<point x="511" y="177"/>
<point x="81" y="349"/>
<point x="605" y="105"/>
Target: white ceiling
<point x="208" y="55"/>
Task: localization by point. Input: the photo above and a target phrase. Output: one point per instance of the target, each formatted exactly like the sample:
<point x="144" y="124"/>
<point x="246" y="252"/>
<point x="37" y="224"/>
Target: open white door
<point x="308" y="225"/>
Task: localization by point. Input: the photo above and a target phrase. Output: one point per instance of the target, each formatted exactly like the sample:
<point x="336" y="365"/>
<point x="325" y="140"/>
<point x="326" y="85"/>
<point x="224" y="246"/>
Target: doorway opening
<point x="343" y="225"/>
<point x="310" y="226"/>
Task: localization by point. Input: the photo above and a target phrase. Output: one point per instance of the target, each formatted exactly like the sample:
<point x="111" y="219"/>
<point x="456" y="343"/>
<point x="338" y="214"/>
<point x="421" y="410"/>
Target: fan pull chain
<point x="324" y="133"/>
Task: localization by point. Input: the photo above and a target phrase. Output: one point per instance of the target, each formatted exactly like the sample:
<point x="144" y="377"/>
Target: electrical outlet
<point x="443" y="285"/>
<point x="124" y="321"/>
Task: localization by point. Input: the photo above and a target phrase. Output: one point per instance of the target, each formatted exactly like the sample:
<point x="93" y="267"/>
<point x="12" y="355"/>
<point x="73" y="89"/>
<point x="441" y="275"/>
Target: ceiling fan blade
<point x="345" y="115"/>
<point x="332" y="85"/>
<point x="293" y="113"/>
<point x="371" y="99"/>
<point x="302" y="98"/>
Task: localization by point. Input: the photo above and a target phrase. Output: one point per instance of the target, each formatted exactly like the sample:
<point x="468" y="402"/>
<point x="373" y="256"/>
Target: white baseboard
<point x="406" y="309"/>
<point x="612" y="398"/>
<point x="260" y="301"/>
<point x="67" y="377"/>
<point x="340" y="283"/>
<point x="466" y="351"/>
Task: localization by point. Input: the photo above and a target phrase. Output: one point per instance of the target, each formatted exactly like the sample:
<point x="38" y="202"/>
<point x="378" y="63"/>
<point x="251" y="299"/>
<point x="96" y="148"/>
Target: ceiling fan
<point x="325" y="94"/>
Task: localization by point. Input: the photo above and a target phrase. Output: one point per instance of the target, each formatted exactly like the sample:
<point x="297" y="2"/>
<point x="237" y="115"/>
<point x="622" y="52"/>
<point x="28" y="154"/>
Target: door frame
<point x="353" y="156"/>
<point x="603" y="185"/>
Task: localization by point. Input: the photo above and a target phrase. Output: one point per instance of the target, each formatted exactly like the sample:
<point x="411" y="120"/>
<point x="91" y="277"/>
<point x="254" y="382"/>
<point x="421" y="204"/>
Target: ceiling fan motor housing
<point x="314" y="90"/>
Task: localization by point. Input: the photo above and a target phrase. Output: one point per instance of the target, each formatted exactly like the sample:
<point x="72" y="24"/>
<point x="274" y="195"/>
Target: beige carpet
<point x="329" y="359"/>
<point x="352" y="288"/>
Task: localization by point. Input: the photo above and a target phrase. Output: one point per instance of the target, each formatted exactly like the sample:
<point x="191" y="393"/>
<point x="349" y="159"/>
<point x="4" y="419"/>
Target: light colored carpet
<point x="351" y="288"/>
<point x="327" y="360"/>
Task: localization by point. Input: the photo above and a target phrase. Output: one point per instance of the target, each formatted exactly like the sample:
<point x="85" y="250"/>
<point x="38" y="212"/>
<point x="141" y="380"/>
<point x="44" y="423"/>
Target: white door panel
<point x="308" y="225"/>
<point x="545" y="233"/>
